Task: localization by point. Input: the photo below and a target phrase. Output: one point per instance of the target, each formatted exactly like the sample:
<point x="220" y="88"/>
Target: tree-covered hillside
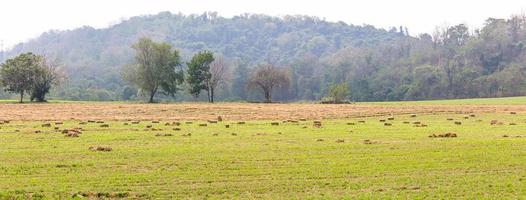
<point x="94" y="56"/>
<point x="376" y="64"/>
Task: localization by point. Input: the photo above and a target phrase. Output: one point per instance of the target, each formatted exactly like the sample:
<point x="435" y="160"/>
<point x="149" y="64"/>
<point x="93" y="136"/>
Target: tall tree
<point x="218" y="75"/>
<point x="198" y="77"/>
<point x="47" y="74"/>
<point x="267" y="78"/>
<point x="155" y="68"/>
<point x="17" y="74"/>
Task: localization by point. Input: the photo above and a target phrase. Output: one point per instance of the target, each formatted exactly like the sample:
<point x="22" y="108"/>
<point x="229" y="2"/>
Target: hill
<point x="378" y="65"/>
<point x="93" y="57"/>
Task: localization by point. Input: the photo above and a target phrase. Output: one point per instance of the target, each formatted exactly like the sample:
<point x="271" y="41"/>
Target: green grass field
<point x="256" y="160"/>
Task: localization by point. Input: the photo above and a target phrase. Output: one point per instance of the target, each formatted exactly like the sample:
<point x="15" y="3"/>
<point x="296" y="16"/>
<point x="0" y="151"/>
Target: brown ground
<point x="229" y="111"/>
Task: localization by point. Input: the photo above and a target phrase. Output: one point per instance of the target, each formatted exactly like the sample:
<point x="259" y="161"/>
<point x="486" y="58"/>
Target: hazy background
<point x="21" y="20"/>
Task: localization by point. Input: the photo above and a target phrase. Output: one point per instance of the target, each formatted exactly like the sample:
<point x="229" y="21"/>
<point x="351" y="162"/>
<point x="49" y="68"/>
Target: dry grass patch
<point x="101" y="148"/>
<point x="232" y="111"/>
<point x="444" y="135"/>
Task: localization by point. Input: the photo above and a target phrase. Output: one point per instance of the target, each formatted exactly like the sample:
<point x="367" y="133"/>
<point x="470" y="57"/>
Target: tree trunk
<point x="22" y="97"/>
<point x="151" y="98"/>
<point x="208" y="94"/>
<point x="268" y="96"/>
<point x="152" y="94"/>
<point x="211" y="95"/>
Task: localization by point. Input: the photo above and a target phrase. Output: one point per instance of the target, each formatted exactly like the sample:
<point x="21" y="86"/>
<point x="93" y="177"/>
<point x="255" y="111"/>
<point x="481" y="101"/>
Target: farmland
<point x="271" y="151"/>
<point x="70" y="110"/>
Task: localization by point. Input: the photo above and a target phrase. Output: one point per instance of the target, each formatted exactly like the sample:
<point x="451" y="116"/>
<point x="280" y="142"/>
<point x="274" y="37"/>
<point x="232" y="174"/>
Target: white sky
<point x="21" y="20"/>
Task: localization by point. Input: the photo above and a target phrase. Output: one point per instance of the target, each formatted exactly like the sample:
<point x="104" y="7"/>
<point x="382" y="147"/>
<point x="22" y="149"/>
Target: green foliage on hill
<point x="376" y="64"/>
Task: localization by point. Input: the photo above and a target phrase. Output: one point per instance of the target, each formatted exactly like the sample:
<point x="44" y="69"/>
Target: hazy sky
<point x="21" y="20"/>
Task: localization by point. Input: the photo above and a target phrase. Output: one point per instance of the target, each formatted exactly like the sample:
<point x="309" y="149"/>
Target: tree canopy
<point x="267" y="78"/>
<point x="199" y="75"/>
<point x="155" y="68"/>
<point x="29" y="73"/>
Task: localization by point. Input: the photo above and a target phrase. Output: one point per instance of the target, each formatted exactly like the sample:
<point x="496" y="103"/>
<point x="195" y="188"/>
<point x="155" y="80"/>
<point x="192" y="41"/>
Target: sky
<point x="21" y="20"/>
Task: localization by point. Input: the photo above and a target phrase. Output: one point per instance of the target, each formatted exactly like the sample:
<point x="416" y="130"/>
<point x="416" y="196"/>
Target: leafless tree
<point x="267" y="78"/>
<point x="218" y="76"/>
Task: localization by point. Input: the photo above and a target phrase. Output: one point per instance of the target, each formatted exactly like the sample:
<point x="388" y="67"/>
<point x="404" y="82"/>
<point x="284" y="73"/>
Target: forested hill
<point x="377" y="64"/>
<point x="94" y="56"/>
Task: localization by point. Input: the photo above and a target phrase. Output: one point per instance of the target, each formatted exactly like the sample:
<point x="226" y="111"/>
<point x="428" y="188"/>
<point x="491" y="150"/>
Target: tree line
<point x="93" y="58"/>
<point x="329" y="61"/>
<point x="157" y="67"/>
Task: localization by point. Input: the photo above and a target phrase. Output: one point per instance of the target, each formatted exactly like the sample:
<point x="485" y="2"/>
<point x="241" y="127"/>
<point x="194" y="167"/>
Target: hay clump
<point x="444" y="135"/>
<point x="101" y="148"/>
<point x="369" y="142"/>
<point x="163" y="135"/>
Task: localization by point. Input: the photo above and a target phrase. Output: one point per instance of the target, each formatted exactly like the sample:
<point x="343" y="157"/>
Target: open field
<point x="478" y="101"/>
<point x="342" y="158"/>
<point x="248" y="111"/>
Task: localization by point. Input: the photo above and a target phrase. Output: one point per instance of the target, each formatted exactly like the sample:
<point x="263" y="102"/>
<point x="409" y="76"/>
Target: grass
<point x="270" y="162"/>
